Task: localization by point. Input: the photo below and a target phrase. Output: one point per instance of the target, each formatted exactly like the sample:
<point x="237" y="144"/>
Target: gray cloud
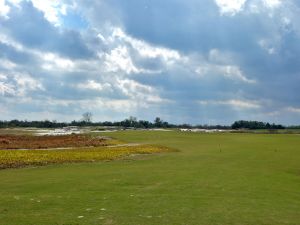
<point x="28" y="26"/>
<point x="181" y="60"/>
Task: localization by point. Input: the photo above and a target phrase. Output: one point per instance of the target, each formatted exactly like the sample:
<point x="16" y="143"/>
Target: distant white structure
<point x="202" y="130"/>
<point x="71" y="128"/>
<point x="62" y="131"/>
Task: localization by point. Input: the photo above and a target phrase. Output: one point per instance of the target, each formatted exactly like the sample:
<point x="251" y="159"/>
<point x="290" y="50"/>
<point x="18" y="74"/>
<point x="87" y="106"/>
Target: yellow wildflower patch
<point x="21" y="158"/>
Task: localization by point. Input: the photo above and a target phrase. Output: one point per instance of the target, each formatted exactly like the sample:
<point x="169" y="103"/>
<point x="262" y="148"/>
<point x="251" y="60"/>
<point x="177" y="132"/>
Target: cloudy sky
<point x="186" y="61"/>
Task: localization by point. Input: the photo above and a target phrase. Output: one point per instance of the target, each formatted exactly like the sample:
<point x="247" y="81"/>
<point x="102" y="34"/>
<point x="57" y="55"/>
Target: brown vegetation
<point x="41" y="142"/>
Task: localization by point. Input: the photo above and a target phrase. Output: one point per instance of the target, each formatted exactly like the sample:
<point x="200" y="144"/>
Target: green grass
<point x="220" y="179"/>
<point x="268" y="131"/>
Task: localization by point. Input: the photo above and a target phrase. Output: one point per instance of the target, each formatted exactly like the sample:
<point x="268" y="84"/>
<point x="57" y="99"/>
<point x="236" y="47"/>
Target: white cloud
<point x="235" y="103"/>
<point x="25" y="83"/>
<point x="217" y="56"/>
<point x="221" y="63"/>
<point x="6" y="89"/>
<point x="228" y="71"/>
<point x="7" y="64"/>
<point x="51" y="9"/>
<point x="52" y="61"/>
<point x="119" y="60"/>
<point x="139" y="92"/>
<point x="3" y="77"/>
<point x="123" y="56"/>
<point x="272" y="3"/>
<point x="230" y="7"/>
<point x="146" y="50"/>
<point x="93" y="85"/>
<point x="4" y="9"/>
<point x="267" y="46"/>
<point x="18" y="84"/>
<point x="293" y="110"/>
<point x="10" y="42"/>
<point x="101" y="37"/>
<point x="235" y="73"/>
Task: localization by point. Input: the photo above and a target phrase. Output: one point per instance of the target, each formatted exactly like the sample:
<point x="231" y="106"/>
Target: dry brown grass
<point x="45" y="142"/>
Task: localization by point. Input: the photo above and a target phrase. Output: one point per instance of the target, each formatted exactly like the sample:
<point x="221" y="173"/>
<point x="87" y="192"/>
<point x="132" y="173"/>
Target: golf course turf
<point x="214" y="179"/>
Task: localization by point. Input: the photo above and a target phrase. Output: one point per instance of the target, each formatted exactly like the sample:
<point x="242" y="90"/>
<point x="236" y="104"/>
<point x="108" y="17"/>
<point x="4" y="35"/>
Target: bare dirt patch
<point x="45" y="142"/>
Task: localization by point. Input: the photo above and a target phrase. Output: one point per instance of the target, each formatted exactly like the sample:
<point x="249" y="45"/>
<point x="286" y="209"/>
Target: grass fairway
<point x="232" y="179"/>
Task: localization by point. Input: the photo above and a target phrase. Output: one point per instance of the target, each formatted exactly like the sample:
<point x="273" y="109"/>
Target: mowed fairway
<point x="232" y="179"/>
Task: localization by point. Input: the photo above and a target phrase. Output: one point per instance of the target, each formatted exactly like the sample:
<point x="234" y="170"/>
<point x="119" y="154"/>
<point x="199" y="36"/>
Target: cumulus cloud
<point x="18" y="84"/>
<point x="130" y="53"/>
<point x="94" y="85"/>
<point x="28" y="27"/>
<point x="272" y="3"/>
<point x="119" y="59"/>
<point x="51" y="9"/>
<point x="54" y="62"/>
<point x="25" y="83"/>
<point x="4" y="9"/>
<point x="145" y="49"/>
<point x="6" y="89"/>
<point x="139" y="92"/>
<point x="230" y="6"/>
<point x="232" y="72"/>
<point x="147" y="60"/>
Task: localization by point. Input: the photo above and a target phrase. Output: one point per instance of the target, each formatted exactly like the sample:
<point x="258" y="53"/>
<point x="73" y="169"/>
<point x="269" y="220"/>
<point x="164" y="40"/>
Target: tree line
<point x="86" y="121"/>
<point x="133" y="122"/>
<point x="255" y="125"/>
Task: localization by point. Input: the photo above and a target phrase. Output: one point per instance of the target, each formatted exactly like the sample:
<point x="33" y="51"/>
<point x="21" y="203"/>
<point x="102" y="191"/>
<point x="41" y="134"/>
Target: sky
<point x="185" y="61"/>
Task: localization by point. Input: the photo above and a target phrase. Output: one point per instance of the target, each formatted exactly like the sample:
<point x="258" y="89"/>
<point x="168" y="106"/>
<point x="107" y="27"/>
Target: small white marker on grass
<point x="103" y="209"/>
<point x="79" y="217"/>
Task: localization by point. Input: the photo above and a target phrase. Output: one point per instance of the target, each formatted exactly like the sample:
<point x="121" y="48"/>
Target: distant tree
<point x="145" y="124"/>
<point x="133" y="121"/>
<point x="87" y="117"/>
<point x="158" y="122"/>
<point x="130" y="122"/>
